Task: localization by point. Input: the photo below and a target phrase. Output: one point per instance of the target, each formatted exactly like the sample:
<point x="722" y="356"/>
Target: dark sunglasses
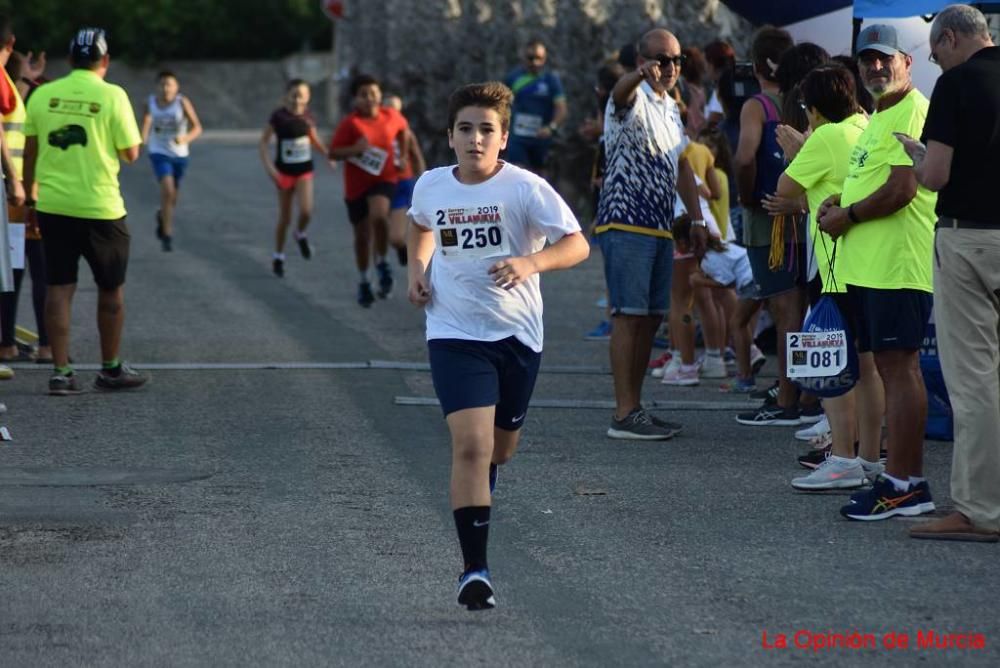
<point x="664" y="60"/>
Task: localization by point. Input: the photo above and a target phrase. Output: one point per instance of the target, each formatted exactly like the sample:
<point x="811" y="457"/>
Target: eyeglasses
<point x="666" y="60"/>
<point x="933" y="56"/>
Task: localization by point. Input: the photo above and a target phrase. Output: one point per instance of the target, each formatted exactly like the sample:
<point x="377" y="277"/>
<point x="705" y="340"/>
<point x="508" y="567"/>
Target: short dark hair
<point x="6" y="30"/>
<point x="829" y="89"/>
<point x="164" y="74"/>
<point x="720" y="54"/>
<point x="628" y="56"/>
<point x="490" y="95"/>
<point x="695" y="67"/>
<point x="295" y="83"/>
<point x="769" y="44"/>
<point x="535" y="42"/>
<point x="14" y="66"/>
<point x="864" y="98"/>
<point x="362" y="80"/>
<point x="797" y="62"/>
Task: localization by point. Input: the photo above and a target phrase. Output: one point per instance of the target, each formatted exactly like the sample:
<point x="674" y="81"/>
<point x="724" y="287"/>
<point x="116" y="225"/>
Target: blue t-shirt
<point x="535" y="96"/>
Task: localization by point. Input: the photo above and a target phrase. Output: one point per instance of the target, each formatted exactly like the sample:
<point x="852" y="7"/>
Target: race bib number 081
<point x="816" y="354"/>
<point x="471" y="233"/>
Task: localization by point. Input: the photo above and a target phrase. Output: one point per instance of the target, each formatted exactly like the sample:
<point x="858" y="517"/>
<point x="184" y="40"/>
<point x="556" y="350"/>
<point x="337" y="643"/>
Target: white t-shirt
<point x="512" y="214"/>
<point x="731" y="268"/>
<point x="706" y="211"/>
<point x="713" y="106"/>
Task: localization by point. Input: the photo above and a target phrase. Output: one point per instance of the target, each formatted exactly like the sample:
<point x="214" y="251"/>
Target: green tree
<point x="148" y="31"/>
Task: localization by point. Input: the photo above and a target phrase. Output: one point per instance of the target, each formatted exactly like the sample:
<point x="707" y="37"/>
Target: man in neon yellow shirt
<point x="885" y="224"/>
<point x="78" y="128"/>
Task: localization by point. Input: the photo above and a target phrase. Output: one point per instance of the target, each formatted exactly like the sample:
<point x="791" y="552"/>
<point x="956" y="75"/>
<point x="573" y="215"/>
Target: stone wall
<point x="425" y="49"/>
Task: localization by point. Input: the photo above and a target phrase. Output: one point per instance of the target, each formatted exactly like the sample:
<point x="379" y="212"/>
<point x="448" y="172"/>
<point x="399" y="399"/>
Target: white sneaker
<point x="713" y="367"/>
<point x="834" y="473"/>
<point x="670" y="367"/>
<point x="681" y="375"/>
<point x="817" y="430"/>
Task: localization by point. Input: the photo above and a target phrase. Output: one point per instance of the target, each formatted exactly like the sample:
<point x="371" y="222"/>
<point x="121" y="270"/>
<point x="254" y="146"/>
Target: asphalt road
<point x="298" y="517"/>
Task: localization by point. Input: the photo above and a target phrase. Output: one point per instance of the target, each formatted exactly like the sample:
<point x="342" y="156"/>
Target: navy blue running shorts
<point x="474" y="374"/>
<point x="889" y="319"/>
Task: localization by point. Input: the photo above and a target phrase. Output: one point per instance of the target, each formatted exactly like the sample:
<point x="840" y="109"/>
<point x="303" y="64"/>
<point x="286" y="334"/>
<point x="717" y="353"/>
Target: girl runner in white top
<point x="485" y="225"/>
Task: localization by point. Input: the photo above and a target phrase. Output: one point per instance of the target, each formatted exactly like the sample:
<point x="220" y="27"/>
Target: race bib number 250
<point x="471" y="232"/>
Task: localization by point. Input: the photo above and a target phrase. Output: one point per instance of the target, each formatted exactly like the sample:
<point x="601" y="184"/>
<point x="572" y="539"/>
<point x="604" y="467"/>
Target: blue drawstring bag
<point x="940" y="421"/>
<point x="826" y="317"/>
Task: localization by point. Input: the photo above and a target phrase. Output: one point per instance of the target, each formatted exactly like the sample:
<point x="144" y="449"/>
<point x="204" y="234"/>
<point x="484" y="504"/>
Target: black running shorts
<point x="103" y="243"/>
<point x="357" y="208"/>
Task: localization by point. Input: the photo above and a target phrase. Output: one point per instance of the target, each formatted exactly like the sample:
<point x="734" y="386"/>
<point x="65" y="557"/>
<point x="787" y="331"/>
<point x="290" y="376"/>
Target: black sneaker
<point x="773" y="416"/>
<point x="675" y="427"/>
<point x="159" y="224"/>
<point x="278" y="267"/>
<point x="126" y="378"/>
<point x="304" y="247"/>
<point x="365" y="296"/>
<point x="384" y="279"/>
<point x="62" y="386"/>
<point x="167" y="243"/>
<point x="402" y="254"/>
<point x="811" y="414"/>
<point x="638" y="426"/>
<point x="769" y="396"/>
<point x="813" y="458"/>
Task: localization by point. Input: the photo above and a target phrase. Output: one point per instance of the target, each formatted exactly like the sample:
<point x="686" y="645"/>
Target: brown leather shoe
<point x="955" y="526"/>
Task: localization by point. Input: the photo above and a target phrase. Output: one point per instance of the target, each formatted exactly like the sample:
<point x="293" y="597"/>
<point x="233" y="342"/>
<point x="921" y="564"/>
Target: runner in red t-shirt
<point x="364" y="140"/>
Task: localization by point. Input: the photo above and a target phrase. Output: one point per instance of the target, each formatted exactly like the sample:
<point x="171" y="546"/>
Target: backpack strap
<point x="770" y="108"/>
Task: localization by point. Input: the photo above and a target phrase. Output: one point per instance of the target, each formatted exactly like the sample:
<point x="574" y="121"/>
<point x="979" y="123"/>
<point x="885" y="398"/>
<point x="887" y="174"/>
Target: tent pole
<point x="854" y="33"/>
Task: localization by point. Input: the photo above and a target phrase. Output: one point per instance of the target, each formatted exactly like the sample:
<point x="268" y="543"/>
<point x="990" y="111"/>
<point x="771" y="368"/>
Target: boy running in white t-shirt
<point x="485" y="224"/>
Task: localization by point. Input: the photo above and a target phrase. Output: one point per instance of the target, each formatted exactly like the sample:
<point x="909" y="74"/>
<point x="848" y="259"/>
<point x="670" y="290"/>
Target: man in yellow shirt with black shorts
<point x="885" y="225"/>
<point x="78" y="128"/>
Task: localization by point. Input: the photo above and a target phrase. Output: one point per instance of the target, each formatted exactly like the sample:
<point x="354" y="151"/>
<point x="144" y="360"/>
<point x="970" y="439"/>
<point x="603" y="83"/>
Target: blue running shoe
<point x="883" y="501"/>
<point x="494" y="472"/>
<point x="475" y="591"/>
<point x="365" y="296"/>
<point x="385" y="281"/>
<point x="924" y="497"/>
<point x="600" y="333"/>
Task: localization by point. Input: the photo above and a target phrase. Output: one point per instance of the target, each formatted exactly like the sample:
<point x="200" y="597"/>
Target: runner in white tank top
<point x="169" y="125"/>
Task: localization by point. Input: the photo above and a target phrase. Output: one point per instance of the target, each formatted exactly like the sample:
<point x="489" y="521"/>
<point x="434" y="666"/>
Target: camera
<point x="736" y="86"/>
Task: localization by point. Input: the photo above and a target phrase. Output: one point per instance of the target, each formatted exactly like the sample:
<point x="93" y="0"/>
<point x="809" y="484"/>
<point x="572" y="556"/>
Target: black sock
<point x="473" y="525"/>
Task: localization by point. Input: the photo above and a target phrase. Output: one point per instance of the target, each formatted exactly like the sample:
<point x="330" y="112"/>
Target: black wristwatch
<point x="851" y="216"/>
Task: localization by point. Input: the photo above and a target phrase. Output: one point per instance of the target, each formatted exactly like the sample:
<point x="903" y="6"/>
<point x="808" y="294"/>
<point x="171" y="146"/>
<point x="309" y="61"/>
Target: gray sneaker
<point x="675" y="427"/>
<point x="832" y="474"/>
<point x="126" y="379"/>
<point x="638" y="426"/>
<point x="62" y="386"/>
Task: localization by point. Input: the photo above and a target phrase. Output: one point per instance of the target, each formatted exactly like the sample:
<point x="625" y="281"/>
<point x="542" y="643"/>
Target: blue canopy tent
<point x="785" y="12"/>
